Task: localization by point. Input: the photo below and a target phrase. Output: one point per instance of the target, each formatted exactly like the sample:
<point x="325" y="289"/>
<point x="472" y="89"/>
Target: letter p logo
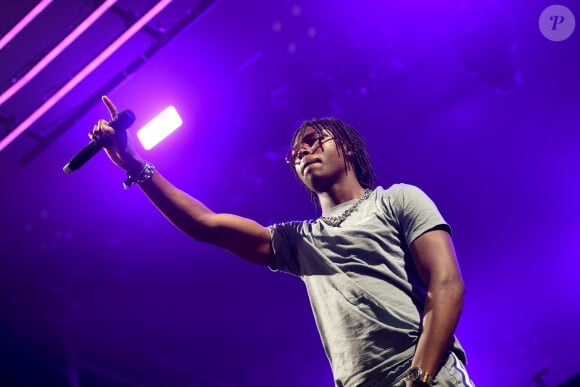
<point x="556" y="20"/>
<point x="557" y="23"/>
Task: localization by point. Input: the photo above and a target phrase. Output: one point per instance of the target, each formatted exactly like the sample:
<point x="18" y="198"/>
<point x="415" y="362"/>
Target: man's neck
<point x="340" y="193"/>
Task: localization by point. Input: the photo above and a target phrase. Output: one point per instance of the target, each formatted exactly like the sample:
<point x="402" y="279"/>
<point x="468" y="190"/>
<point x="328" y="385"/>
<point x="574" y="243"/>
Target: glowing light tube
<point x="159" y="128"/>
<point x="82" y="27"/>
<point x="106" y="53"/>
<point x="30" y="16"/>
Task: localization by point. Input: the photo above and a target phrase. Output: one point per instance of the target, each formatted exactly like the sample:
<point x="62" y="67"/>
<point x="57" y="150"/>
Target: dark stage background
<point x="467" y="100"/>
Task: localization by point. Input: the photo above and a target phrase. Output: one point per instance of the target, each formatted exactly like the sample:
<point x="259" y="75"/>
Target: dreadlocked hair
<point x="347" y="140"/>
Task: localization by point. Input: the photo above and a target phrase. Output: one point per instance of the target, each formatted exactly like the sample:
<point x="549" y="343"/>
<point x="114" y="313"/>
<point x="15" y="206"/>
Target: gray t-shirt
<point x="364" y="291"/>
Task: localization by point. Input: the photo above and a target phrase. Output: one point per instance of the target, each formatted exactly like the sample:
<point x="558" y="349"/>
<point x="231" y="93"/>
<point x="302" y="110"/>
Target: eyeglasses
<point x="314" y="141"/>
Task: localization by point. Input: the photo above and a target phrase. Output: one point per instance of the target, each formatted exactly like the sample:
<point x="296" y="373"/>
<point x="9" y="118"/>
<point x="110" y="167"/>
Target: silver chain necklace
<point x="336" y="221"/>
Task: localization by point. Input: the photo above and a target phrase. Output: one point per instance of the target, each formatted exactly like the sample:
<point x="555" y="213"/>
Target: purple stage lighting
<point x="84" y="72"/>
<point x="24" y="22"/>
<point x="79" y="30"/>
<point x="159" y="128"/>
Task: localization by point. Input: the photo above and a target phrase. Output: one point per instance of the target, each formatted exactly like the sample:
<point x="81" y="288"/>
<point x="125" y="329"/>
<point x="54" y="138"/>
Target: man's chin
<point x="308" y="168"/>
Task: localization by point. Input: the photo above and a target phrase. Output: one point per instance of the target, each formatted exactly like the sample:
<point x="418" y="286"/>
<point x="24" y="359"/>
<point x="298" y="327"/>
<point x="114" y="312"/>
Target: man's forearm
<point x="442" y="310"/>
<point x="185" y="212"/>
<point x="241" y="236"/>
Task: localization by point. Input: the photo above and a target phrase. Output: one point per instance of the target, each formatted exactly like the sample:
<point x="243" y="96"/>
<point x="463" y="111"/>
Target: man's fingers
<point x="110" y="106"/>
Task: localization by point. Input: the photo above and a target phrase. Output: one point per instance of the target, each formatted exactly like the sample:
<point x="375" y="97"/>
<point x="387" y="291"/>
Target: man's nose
<point x="303" y="152"/>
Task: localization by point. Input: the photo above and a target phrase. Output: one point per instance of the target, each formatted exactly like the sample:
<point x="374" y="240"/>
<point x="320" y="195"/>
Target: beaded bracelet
<point x="143" y="176"/>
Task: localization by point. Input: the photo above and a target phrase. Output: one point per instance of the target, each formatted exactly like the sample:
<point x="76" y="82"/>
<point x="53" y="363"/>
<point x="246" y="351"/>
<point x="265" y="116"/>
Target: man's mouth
<point x="309" y="162"/>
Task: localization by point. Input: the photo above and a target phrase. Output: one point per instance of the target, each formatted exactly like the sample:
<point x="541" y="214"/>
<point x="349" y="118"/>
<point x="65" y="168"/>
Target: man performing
<point x="379" y="264"/>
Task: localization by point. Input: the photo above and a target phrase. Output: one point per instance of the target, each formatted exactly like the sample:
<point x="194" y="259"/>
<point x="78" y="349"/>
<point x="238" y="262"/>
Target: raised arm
<point x="243" y="237"/>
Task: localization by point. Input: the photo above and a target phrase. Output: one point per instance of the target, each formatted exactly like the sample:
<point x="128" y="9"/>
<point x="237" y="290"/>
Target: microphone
<point x="122" y="121"/>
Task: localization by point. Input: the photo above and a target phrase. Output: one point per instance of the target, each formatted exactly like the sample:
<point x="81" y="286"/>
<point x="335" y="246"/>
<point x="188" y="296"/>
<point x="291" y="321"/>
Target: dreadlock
<point x="347" y="140"/>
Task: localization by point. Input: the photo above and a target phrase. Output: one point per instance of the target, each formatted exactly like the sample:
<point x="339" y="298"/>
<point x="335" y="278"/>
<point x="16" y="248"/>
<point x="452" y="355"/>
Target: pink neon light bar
<point x="82" y="27"/>
<point x="30" y="16"/>
<point x="107" y="52"/>
<point x="159" y="128"/>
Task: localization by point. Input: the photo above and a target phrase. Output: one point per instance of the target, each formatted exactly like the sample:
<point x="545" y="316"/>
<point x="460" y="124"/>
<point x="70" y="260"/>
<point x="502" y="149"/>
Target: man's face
<point x="316" y="159"/>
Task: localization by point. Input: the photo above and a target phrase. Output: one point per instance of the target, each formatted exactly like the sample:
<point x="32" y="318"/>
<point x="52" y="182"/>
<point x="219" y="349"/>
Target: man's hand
<point x="118" y="145"/>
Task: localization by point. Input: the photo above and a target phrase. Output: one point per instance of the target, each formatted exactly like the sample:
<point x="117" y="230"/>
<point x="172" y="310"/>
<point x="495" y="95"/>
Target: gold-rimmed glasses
<point x="308" y="145"/>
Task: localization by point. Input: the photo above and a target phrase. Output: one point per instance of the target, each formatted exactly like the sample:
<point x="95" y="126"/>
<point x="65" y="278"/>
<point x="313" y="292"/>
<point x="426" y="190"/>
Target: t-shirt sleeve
<point x="284" y="237"/>
<point x="416" y="212"/>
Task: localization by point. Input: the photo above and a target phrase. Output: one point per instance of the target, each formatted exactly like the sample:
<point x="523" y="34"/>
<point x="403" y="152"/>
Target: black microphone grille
<point x="124" y="120"/>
